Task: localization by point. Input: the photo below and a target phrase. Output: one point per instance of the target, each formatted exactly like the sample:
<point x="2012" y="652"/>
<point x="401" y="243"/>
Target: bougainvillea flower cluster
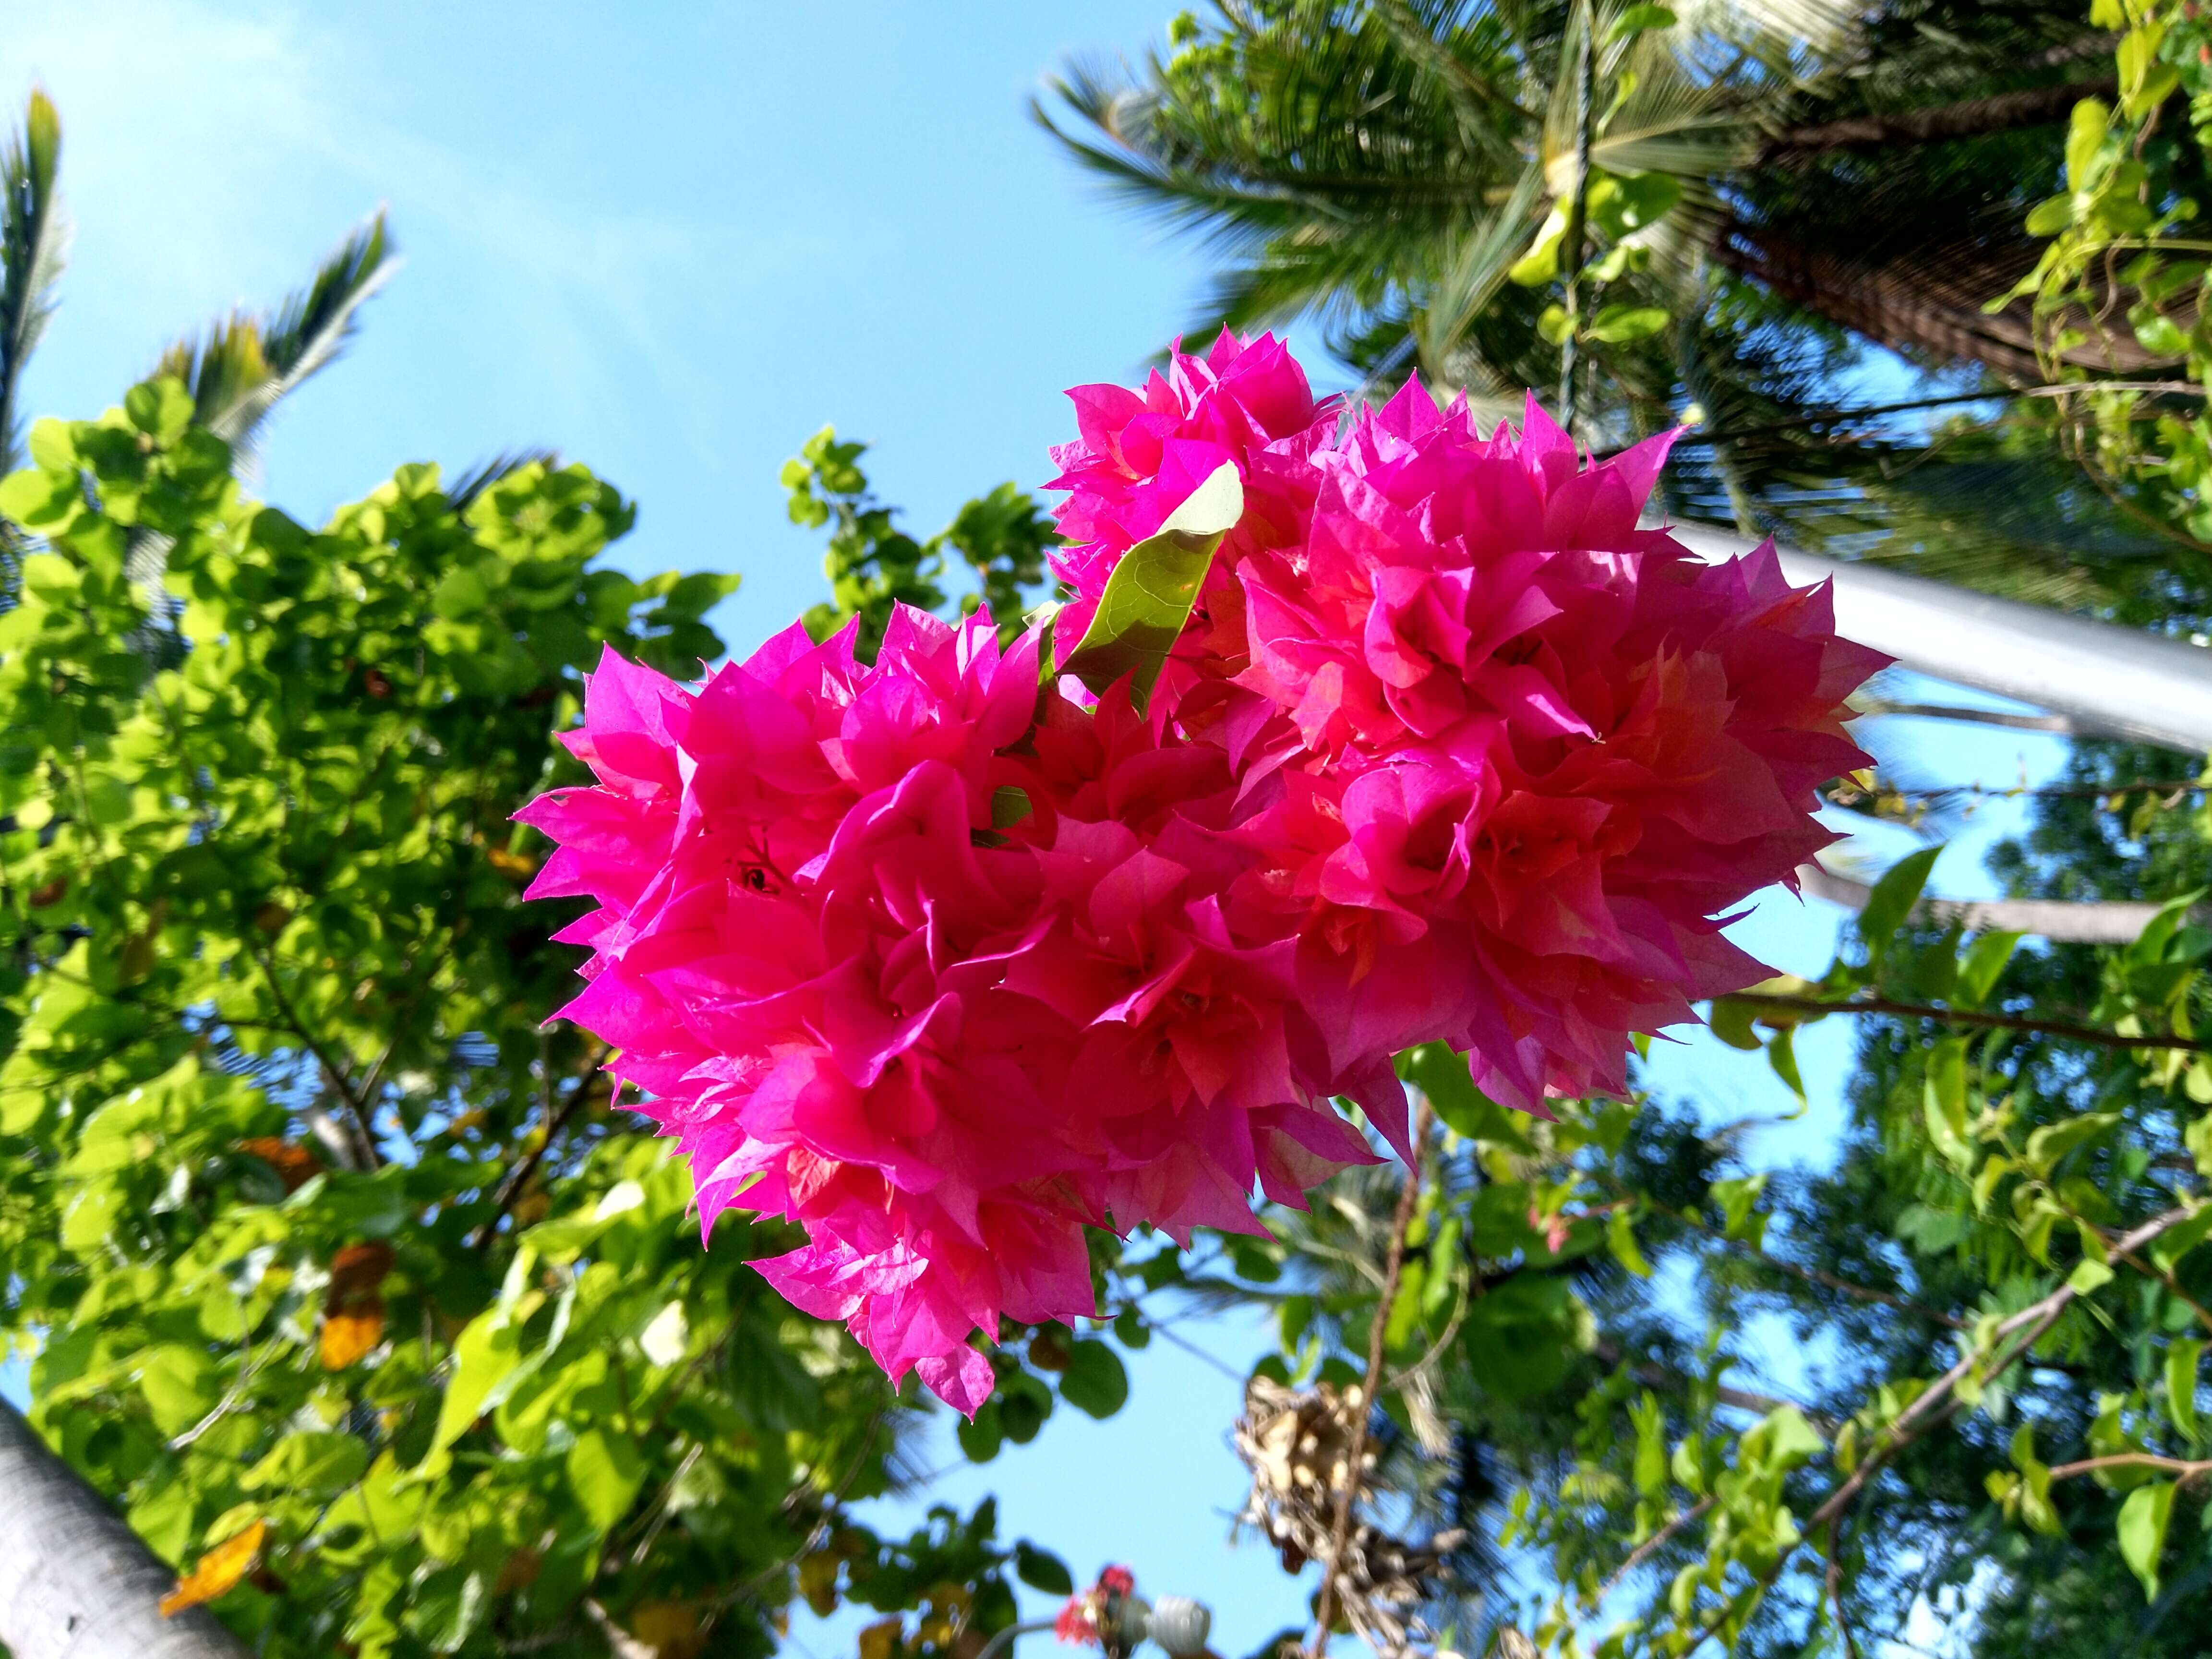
<point x="946" y="967"/>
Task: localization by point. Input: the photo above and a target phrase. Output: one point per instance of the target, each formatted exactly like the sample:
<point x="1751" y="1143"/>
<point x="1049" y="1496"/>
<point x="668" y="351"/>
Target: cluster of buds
<point x="1110" y="1615"/>
<point x="1298" y="1444"/>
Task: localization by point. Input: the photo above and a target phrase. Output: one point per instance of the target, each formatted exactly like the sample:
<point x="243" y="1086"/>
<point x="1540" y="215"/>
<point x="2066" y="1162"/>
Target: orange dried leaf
<point x="348" y="1337"/>
<point x="217" y="1570"/>
<point x="518" y="866"/>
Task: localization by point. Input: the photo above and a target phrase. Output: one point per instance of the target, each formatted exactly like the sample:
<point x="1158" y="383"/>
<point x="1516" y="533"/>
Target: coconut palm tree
<point x="244" y="364"/>
<point x="1708" y="214"/>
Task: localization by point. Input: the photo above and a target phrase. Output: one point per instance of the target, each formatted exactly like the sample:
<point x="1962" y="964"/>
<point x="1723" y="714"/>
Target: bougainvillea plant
<point x="1357" y="732"/>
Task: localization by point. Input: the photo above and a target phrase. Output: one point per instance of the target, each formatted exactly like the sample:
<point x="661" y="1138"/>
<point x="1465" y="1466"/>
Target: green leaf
<point x="160" y="409"/>
<point x="485" y="1355"/>
<point x="314" y="1461"/>
<point x="2182" y="1358"/>
<point x="2160" y="337"/>
<point x="1943" y="1103"/>
<point x="2169" y="1247"/>
<point x="1730" y="1021"/>
<point x="981" y="1436"/>
<point x="1982" y="966"/>
<point x="1620" y="1234"/>
<point x="2051" y="216"/>
<point x="1095" y="1381"/>
<point x="1619" y="325"/>
<point x="605" y="1470"/>
<point x="1443" y="1076"/>
<point x="1781" y="1056"/>
<point x="2089" y="1277"/>
<point x="1148" y="597"/>
<point x="1522" y="1335"/>
<point x="180" y="1385"/>
<point x="1540" y="263"/>
<point x="460" y="593"/>
<point x="1783" y="1439"/>
<point x="1622" y="204"/>
<point x="1041" y="1569"/>
<point x="1638" y="18"/>
<point x="1650" y="1420"/>
<point x="2054" y="1140"/>
<point x="2086" y="128"/>
<point x="1893" y="898"/>
<point x="1740" y="1217"/>
<point x="2143" y="1518"/>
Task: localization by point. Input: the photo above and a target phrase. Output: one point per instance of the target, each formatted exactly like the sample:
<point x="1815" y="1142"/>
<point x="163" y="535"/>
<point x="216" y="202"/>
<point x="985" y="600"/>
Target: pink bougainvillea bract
<point x="946" y="971"/>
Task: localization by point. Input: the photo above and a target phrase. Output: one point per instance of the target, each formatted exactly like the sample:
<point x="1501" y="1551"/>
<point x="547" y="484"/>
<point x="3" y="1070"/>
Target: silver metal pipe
<point x="2109" y="681"/>
<point x="1005" y="1637"/>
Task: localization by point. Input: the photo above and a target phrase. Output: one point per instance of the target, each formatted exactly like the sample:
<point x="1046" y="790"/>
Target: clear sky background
<point x="672" y="241"/>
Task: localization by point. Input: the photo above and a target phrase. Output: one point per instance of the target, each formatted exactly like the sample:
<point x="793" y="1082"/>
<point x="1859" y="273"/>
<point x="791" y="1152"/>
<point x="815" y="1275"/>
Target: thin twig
<point x="355" y="1106"/>
<point x="1651" y="1547"/>
<point x="518" y="1175"/>
<point x="1812" y="1275"/>
<point x="1835" y="1585"/>
<point x="1192" y="1348"/>
<point x="2180" y="1468"/>
<point x="1968" y="1017"/>
<point x="1394" y="1263"/>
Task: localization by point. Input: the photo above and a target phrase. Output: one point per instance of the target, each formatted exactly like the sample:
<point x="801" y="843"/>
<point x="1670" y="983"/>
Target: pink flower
<point x="938" y="983"/>
<point x="1519" y="756"/>
<point x="944" y="971"/>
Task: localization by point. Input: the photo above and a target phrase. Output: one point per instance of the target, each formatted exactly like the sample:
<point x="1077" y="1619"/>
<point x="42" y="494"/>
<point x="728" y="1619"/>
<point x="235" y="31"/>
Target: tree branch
<point x="354" y="1105"/>
<point x="1651" y="1547"/>
<point x="1970" y="1017"/>
<point x="1394" y="1263"/>
<point x="2179" y="1468"/>
<point x="518" y="1174"/>
<point x="1922" y="1416"/>
<point x="2098" y="923"/>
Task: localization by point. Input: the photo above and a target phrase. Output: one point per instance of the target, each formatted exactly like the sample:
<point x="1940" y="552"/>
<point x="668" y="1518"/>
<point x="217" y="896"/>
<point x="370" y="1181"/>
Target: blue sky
<point x="673" y="241"/>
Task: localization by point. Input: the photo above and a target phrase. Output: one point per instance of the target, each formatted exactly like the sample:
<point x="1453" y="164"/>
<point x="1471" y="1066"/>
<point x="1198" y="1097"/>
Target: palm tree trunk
<point x="75" y="1582"/>
<point x="2111" y="681"/>
<point x="2035" y="108"/>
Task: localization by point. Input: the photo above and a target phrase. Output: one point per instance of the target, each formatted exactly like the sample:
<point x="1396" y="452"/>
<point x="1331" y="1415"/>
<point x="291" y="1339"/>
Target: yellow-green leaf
<point x="1148" y="597"/>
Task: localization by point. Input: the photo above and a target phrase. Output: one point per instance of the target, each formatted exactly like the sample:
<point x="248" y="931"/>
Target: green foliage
<point x="310" y="1223"/>
<point x="873" y="566"/>
<point x="2007" y="1268"/>
<point x="2120" y="285"/>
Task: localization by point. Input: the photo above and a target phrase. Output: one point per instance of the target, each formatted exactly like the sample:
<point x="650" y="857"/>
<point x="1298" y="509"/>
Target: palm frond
<point x="462" y="493"/>
<point x="34" y="246"/>
<point x="246" y="365"/>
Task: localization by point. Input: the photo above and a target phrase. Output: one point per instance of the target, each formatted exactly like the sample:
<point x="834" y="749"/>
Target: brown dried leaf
<point x="295" y="1165"/>
<point x="357" y="1271"/>
<point x="671" y="1629"/>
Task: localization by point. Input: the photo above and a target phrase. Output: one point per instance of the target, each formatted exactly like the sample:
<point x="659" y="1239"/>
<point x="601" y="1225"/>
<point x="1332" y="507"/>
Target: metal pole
<point x="2110" y="681"/>
<point x="1005" y="1637"/>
